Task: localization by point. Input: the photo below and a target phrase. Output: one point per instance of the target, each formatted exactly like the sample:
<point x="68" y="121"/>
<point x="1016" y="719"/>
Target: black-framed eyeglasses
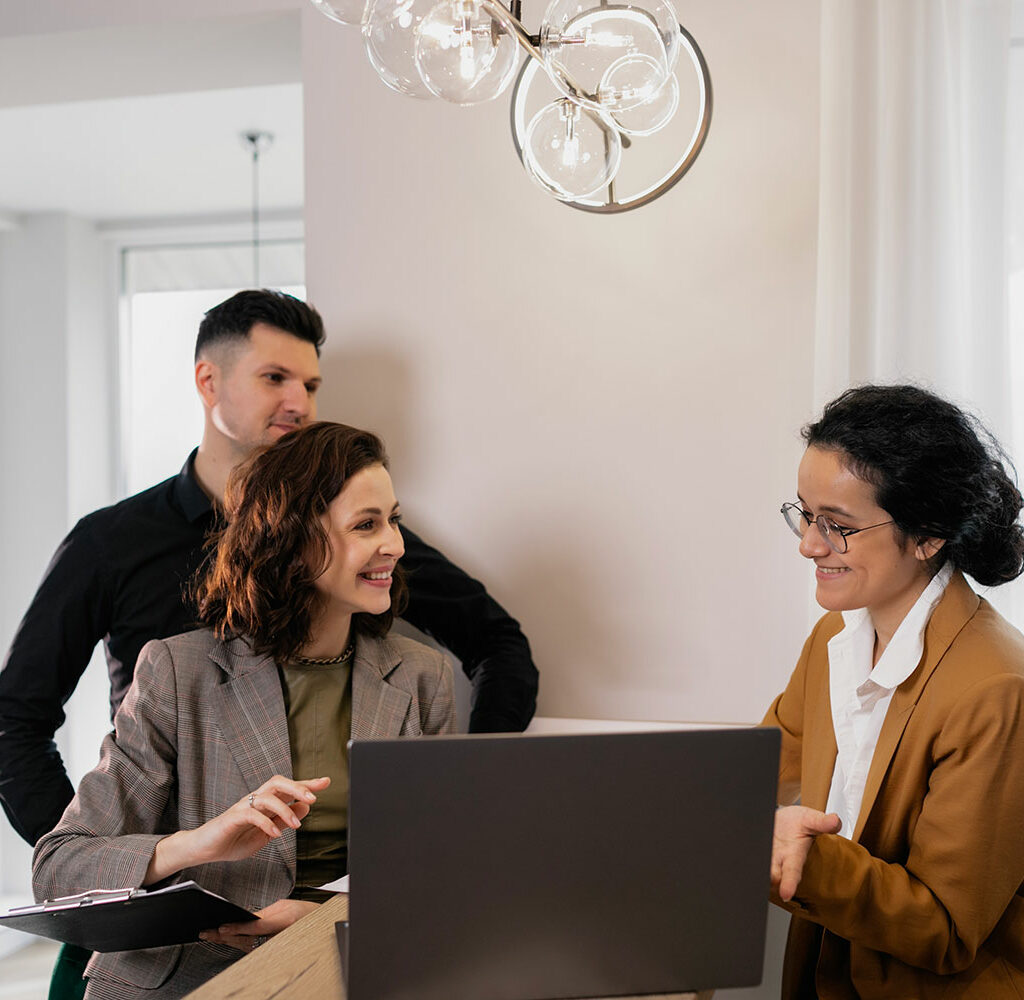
<point x="799" y="520"/>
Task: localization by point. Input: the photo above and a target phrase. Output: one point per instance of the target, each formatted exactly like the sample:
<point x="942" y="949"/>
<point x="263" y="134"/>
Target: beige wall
<point x="597" y="416"/>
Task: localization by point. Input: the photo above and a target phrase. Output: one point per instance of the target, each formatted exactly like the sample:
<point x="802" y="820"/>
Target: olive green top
<point x="318" y="700"/>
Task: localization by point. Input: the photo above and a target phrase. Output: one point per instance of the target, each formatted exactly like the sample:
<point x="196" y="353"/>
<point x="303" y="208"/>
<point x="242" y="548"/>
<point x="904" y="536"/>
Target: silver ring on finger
<point x="252" y="800"/>
<point x="258" y="940"/>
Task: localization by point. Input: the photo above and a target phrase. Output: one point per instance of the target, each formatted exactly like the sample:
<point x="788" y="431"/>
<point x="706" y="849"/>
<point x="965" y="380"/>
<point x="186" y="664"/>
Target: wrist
<point x="171" y="854"/>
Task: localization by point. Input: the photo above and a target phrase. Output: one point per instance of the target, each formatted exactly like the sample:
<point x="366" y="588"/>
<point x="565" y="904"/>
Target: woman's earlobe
<point x="927" y="548"/>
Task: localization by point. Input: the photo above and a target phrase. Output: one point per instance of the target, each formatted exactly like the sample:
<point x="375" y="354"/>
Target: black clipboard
<point x="128" y="919"/>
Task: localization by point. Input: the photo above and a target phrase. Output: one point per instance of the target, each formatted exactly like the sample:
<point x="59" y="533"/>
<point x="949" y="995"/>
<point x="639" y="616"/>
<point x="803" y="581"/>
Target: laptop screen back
<point x="528" y="868"/>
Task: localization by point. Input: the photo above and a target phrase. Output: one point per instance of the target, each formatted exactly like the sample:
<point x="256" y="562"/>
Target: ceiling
<point x="144" y="121"/>
<point x="140" y="119"/>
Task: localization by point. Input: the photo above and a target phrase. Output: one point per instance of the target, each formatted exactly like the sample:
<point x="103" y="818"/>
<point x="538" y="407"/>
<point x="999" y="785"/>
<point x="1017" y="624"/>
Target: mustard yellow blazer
<point x="926" y="899"/>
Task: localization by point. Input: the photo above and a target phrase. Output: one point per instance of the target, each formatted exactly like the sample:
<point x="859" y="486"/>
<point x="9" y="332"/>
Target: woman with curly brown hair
<point x="228" y="763"/>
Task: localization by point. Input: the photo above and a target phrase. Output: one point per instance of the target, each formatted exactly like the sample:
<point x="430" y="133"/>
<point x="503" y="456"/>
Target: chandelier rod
<point x="256" y="142"/>
<point x="530" y="43"/>
<point x="255" y="214"/>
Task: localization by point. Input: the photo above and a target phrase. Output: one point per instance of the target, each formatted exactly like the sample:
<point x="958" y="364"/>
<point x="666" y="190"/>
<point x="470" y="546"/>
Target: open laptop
<point x="532" y="868"/>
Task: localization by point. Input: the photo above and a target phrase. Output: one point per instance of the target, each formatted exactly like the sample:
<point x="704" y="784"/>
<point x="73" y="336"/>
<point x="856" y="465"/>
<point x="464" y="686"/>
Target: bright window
<point x="166" y="292"/>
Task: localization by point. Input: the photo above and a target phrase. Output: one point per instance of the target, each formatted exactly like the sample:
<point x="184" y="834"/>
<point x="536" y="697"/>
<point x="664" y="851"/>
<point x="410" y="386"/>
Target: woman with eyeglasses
<point x="903" y="722"/>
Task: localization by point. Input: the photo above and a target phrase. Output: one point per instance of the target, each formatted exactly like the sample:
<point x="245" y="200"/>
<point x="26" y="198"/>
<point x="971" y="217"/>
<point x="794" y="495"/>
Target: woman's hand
<point x="272" y="920"/>
<point x="795" y="830"/>
<point x="251" y="823"/>
<point x="240" y="831"/>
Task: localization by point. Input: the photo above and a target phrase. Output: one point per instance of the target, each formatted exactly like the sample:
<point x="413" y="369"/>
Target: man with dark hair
<point x="120" y="575"/>
<point x="231" y="321"/>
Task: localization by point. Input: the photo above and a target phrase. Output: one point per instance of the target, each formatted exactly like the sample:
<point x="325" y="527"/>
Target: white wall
<point x="33" y="502"/>
<point x="42" y="16"/>
<point x="56" y="392"/>
<point x="57" y="346"/>
<point x="598" y="416"/>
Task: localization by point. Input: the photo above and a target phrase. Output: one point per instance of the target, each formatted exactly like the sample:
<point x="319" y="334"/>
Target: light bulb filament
<point x="467" y="57"/>
<point x="445" y="35"/>
<point x="604" y="39"/>
<point x="609" y="95"/>
<point x="450" y="36"/>
<point x="571" y="153"/>
<point x="608" y="39"/>
<point x="571" y="142"/>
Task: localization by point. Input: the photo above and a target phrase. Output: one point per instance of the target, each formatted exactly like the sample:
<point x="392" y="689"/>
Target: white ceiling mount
<point x="257" y="142"/>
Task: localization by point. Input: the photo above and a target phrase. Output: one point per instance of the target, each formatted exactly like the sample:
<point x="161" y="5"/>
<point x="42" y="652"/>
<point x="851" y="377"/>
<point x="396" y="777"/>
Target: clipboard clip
<point x="81" y="899"/>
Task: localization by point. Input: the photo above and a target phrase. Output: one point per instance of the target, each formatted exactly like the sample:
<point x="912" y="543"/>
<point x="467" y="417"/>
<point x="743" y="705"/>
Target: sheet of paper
<point x="338" y="885"/>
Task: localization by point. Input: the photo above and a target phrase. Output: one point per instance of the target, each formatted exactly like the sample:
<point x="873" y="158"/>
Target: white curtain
<point x="1016" y="217"/>
<point x="912" y="235"/>
<point x="914" y="224"/>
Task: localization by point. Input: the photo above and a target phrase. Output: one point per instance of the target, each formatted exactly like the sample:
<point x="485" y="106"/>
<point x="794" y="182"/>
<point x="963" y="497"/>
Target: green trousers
<point x="67" y="982"/>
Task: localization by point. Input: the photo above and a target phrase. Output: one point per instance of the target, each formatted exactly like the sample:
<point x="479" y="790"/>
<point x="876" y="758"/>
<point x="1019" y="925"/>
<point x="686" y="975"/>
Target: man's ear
<point x="207" y="381"/>
<point x="928" y="547"/>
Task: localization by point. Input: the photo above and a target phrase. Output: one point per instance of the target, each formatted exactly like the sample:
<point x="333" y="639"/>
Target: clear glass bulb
<point x="628" y="78"/>
<point x="343" y="11"/>
<point x="570" y="154"/>
<point x="580" y="42"/>
<point x="390" y="37"/>
<point x="464" y="54"/>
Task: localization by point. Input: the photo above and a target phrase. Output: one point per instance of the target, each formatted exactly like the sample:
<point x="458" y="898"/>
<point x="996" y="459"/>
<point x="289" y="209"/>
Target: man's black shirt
<point x="122" y="575"/>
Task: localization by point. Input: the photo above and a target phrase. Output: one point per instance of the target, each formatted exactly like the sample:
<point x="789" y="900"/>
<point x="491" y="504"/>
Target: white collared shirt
<point x="860" y="695"/>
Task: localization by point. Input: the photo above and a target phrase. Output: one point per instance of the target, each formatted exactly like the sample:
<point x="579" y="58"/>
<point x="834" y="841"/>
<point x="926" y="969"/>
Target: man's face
<point x="263" y="387"/>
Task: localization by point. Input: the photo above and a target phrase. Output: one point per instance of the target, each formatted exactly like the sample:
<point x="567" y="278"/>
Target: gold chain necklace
<point x="326" y="661"/>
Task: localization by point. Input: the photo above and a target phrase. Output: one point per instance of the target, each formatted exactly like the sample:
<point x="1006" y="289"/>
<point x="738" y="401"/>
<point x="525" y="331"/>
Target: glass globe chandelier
<point x="607" y="114"/>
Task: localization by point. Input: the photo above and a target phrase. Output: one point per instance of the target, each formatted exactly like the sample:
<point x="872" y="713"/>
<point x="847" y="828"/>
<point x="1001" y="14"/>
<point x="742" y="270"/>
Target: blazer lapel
<point x="379" y="710"/>
<point x="817" y="766"/>
<point x="954" y="610"/>
<point x="250" y="711"/>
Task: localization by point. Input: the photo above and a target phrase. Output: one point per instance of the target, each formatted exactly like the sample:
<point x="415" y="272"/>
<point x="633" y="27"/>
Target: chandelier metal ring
<point x="612" y="204"/>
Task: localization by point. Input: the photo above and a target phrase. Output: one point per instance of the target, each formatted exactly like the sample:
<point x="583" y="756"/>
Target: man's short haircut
<point x="234" y="318"/>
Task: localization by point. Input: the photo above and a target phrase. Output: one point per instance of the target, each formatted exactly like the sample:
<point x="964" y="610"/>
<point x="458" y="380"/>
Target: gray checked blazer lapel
<point x="249" y="708"/>
<point x="379" y="710"/>
<point x="250" y="711"/>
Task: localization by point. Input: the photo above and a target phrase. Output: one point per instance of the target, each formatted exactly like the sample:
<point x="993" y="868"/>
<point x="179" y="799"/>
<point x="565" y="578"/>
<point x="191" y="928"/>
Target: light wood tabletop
<point x="303" y="962"/>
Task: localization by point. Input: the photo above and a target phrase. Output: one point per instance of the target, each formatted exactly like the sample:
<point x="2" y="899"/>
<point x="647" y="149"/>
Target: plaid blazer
<point x="204" y="724"/>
